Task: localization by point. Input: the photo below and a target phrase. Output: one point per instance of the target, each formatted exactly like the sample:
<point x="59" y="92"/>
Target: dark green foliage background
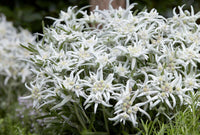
<point x="30" y="13"/>
<point x="165" y="7"/>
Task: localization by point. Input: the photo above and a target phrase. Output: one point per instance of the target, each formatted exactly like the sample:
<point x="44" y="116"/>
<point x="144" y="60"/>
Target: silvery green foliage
<point x="11" y="52"/>
<point x="131" y="63"/>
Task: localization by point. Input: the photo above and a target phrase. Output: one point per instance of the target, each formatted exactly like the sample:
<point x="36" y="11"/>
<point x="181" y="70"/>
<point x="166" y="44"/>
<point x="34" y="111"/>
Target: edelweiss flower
<point x="122" y="70"/>
<point x="11" y="53"/>
<point x="125" y="108"/>
<point x="165" y="88"/>
<point x="190" y="54"/>
<point x="191" y="80"/>
<point x="100" y="91"/>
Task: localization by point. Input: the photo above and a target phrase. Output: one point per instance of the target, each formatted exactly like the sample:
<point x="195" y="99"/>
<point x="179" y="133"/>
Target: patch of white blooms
<point x="132" y="64"/>
<point x="11" y="53"/>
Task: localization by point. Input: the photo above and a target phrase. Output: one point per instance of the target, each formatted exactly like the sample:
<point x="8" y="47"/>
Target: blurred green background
<point x="30" y="13"/>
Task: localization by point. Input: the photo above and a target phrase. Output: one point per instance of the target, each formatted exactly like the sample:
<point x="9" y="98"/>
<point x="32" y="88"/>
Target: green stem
<point x="194" y="116"/>
<point x="88" y="119"/>
<point x="91" y="126"/>
<point x="78" y="116"/>
<point x="105" y="120"/>
<point x="85" y="115"/>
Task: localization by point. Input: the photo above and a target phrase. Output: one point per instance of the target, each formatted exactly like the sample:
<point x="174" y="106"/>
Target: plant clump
<point x="11" y="53"/>
<point x="134" y="65"/>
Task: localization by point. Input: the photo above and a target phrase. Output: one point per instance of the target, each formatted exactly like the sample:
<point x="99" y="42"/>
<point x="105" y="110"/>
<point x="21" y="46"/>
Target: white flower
<point x="36" y="88"/>
<point x="191" y="80"/>
<point x="125" y="108"/>
<point x="100" y="91"/>
<point x="189" y="54"/>
<point x="103" y="59"/>
<point x="11" y="53"/>
<point x="165" y="86"/>
<point x="65" y="63"/>
<point x="65" y="16"/>
<point x="94" y="17"/>
<point x="181" y="91"/>
<point x="146" y="88"/>
<point x="122" y="70"/>
<point x="91" y="42"/>
<point x="82" y="55"/>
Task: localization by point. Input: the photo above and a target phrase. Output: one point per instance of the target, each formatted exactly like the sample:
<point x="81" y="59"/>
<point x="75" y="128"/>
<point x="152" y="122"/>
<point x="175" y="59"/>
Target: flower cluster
<point x="130" y="63"/>
<point x="11" y="52"/>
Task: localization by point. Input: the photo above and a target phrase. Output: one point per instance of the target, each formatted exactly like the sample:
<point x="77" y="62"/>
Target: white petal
<point x="95" y="107"/>
<point x="133" y="63"/>
<point x="173" y="99"/>
<point x="168" y="103"/>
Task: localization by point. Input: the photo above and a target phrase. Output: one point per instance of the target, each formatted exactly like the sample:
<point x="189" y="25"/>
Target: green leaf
<point x="31" y="49"/>
<point x="85" y="132"/>
<point x="65" y="100"/>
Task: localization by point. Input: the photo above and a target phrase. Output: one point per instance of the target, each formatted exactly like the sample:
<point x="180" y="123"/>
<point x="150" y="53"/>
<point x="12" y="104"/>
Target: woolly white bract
<point x="130" y="63"/>
<point x="11" y="52"/>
